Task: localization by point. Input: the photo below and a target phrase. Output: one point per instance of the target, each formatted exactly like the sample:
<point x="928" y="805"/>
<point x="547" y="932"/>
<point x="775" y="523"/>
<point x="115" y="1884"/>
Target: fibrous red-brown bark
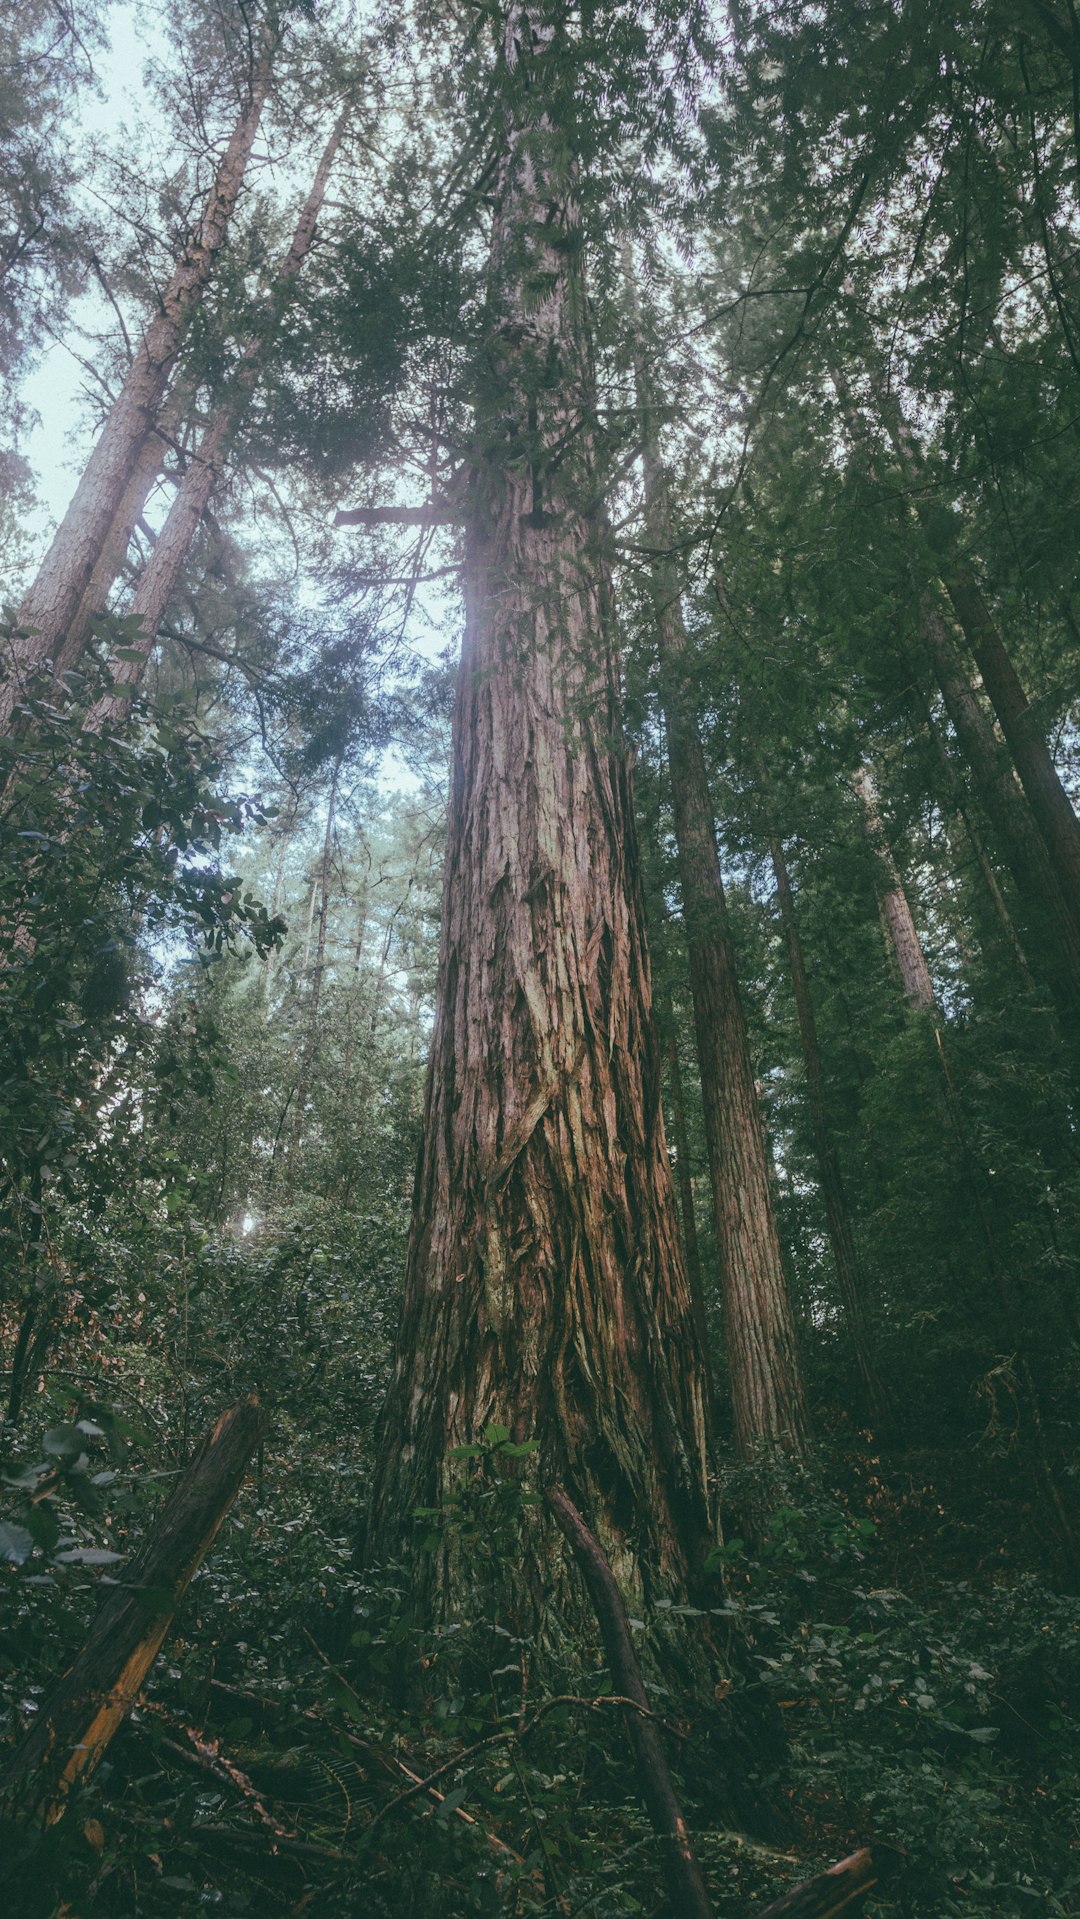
<point x="545" y="1286"/>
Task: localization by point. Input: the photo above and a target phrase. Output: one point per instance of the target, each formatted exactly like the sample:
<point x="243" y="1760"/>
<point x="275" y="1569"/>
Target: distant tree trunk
<point x="545" y="1287"/>
<point x="685" y="1174"/>
<point x="1003" y="800"/>
<point x="358" y="954"/>
<point x="203" y="472"/>
<point x="278" y="897"/>
<point x="901" y="931"/>
<point x="1050" y="805"/>
<point x="767" y="1396"/>
<point x="958" y="802"/>
<point x="53" y="601"/>
<point x="916" y="981"/>
<point x="683" y="1171"/>
<point x="311" y="1037"/>
<point x="22" y="1353"/>
<point x="1049" y="802"/>
<point x="849" y="1272"/>
<point x="1051" y="936"/>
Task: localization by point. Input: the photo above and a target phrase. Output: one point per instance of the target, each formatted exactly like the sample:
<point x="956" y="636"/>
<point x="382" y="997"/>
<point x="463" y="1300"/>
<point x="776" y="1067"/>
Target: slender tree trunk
<point x="685" y="1181"/>
<point x="278" y="897"/>
<point x="202" y="475"/>
<point x="53" y="601"/>
<point x="682" y="1874"/>
<point x="358" y="955"/>
<point x="311" y="1038"/>
<point x="22" y="1355"/>
<point x="545" y="1287"/>
<point x="1050" y="805"/>
<point x="849" y="1271"/>
<point x="1052" y="942"/>
<point x="957" y="801"/>
<point x="916" y="981"/>
<point x="1049" y="802"/>
<point x="896" y="913"/>
<point x="114" y="551"/>
<point x="767" y="1396"/>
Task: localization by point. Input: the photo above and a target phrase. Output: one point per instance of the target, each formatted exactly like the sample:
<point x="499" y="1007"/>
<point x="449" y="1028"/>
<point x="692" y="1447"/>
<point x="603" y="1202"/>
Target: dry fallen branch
<point x="833" y="1892"/>
<point x="92" y="1699"/>
<point x="686" y="1887"/>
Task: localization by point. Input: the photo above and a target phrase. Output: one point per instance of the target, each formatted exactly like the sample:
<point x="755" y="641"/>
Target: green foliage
<point x="209" y="1107"/>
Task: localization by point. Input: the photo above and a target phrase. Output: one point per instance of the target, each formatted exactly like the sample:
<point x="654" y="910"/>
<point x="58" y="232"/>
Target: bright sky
<point x="57" y="390"/>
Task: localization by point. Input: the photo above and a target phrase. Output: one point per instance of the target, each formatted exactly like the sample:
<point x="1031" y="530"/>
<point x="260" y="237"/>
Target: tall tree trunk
<point x="849" y="1271"/>
<point x="1049" y="802"/>
<point x="685" y="1175"/>
<point x="897" y="917"/>
<point x="53" y="601"/>
<point x="767" y="1396"/>
<point x="1052" y="940"/>
<point x="359" y="938"/>
<point x="278" y="896"/>
<point x="203" y="473"/>
<point x="114" y="551"/>
<point x="545" y="1287"/>
<point x="1051" y="935"/>
<point x="1050" y="805"/>
<point x="311" y="1037"/>
<point x="684" y="1181"/>
<point x="957" y="802"/>
<point x="1011" y="1326"/>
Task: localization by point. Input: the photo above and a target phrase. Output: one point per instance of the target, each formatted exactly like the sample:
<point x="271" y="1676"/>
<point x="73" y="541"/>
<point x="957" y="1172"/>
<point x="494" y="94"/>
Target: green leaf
<point x="89" y="1556"/>
<point x="452" y="1801"/>
<point x="63" y="1442"/>
<point x="16" y="1545"/>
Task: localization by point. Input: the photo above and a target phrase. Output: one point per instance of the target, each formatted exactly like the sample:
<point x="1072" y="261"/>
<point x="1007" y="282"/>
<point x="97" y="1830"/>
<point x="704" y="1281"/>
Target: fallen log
<point x="685" y="1885"/>
<point x="88" y="1704"/>
<point x="838" y="1890"/>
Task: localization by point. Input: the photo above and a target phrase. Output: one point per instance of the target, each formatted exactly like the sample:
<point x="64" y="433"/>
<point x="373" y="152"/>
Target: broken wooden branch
<point x="686" y="1887"/>
<point x="92" y="1699"/>
<point x="830" y="1893"/>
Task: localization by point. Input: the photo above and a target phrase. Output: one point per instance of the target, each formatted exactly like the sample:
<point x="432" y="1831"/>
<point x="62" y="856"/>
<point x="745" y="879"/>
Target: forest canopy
<point x="540" y="958"/>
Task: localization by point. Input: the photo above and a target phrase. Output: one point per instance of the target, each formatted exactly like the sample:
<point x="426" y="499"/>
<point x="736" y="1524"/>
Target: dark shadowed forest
<point x="540" y="959"/>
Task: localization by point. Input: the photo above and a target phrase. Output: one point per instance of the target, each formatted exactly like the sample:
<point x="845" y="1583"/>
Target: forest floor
<point x="892" y="1682"/>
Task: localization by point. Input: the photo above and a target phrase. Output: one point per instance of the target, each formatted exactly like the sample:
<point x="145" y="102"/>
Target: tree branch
<point x="686" y="1887"/>
<point x="398" y="516"/>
